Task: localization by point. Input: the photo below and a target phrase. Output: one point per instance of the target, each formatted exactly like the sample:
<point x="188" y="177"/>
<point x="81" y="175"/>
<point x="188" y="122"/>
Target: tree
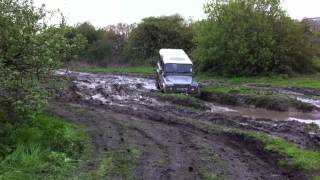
<point x="98" y="48"/>
<point x="252" y="37"/>
<point x="118" y="35"/>
<point x="121" y="29"/>
<point x="154" y="33"/>
<point x="30" y="51"/>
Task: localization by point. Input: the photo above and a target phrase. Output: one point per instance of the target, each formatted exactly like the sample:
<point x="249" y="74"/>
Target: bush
<point x="29" y="52"/>
<point x="253" y="37"/>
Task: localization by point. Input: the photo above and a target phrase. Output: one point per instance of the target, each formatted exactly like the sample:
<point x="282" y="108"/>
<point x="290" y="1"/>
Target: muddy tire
<point x="157" y="84"/>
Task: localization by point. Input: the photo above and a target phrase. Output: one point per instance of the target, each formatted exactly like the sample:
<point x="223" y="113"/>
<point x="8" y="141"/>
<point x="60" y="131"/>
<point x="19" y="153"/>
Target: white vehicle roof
<point x="174" y="56"/>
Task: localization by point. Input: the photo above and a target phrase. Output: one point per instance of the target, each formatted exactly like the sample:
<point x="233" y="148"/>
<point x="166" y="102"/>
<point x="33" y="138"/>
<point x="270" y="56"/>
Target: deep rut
<point x="168" y="151"/>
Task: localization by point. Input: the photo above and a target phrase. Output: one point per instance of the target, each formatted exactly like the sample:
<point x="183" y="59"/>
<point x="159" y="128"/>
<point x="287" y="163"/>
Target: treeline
<point x="254" y="37"/>
<point x="133" y="43"/>
<point x="102" y="46"/>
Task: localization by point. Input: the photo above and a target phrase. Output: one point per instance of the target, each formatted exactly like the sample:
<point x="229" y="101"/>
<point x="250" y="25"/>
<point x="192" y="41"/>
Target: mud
<point x="120" y="111"/>
<point x="307" y="96"/>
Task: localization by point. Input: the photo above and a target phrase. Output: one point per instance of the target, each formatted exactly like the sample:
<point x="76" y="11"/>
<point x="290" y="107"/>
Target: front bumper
<point x="183" y="89"/>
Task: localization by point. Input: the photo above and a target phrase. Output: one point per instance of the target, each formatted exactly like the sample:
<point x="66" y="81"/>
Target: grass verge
<point x="305" y="81"/>
<point x="219" y="89"/>
<point x="241" y="95"/>
<point x="147" y="71"/>
<point x="117" y="165"/>
<point x="296" y="157"/>
<point x="46" y="148"/>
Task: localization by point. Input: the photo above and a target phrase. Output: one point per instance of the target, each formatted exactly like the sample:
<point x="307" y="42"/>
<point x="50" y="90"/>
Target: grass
<point x="316" y="178"/>
<point x="239" y="94"/>
<point x="121" y="70"/>
<point x="212" y="177"/>
<point x="296" y="157"/>
<point x="46" y="148"/>
<point x="179" y="96"/>
<point x="117" y="165"/>
<point x="221" y="168"/>
<point x="219" y="89"/>
<point x="303" y="81"/>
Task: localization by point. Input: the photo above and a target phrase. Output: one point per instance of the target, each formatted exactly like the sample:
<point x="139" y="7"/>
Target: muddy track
<point x="119" y="112"/>
<point x="169" y="151"/>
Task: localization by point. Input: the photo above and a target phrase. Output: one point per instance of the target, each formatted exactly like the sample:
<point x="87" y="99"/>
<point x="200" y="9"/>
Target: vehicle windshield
<point x="178" y="68"/>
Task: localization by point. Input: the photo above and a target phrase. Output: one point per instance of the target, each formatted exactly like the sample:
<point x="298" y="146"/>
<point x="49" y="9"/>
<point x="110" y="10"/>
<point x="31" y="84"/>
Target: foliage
<point x="99" y="45"/>
<point x="253" y="37"/>
<point x="76" y="43"/>
<point x="105" y="45"/>
<point x="29" y="51"/>
<point x="46" y="148"/>
<point x="154" y="33"/>
<point x="119" y="35"/>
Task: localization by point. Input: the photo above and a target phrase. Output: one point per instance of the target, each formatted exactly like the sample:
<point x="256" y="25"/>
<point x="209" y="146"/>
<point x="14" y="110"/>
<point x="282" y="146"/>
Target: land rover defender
<point x="175" y="72"/>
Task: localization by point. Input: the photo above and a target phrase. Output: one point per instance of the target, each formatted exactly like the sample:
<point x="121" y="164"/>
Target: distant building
<point x="315" y="23"/>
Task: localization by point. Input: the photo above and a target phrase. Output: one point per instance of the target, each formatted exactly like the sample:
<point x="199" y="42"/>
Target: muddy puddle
<point x="309" y="118"/>
<point x="132" y="91"/>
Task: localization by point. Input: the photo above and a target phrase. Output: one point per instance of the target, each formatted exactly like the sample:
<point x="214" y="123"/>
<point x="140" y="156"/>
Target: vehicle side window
<point x="161" y="63"/>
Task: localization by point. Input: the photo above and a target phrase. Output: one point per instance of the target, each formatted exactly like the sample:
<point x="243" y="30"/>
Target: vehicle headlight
<point x="193" y="88"/>
<point x="170" y="88"/>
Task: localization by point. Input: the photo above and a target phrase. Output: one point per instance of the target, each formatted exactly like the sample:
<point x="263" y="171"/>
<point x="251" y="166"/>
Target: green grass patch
<point x="296" y="157"/>
<point x="179" y="96"/>
<point x="305" y="81"/>
<point x="212" y="177"/>
<point x="316" y="178"/>
<point x="120" y="70"/>
<point x="117" y="165"/>
<point x="46" y="148"/>
<point x="219" y="89"/>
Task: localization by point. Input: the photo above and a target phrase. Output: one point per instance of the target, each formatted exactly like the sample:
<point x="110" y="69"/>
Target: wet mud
<point x="119" y="111"/>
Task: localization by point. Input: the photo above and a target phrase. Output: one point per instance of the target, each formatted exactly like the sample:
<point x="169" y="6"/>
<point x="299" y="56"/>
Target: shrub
<point x="29" y="52"/>
<point x="253" y="37"/>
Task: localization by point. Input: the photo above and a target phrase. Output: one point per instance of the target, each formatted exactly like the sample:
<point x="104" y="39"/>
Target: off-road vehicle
<point x="175" y="72"/>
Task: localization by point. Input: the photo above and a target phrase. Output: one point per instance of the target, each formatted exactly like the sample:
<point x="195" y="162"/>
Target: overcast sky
<point x="104" y="12"/>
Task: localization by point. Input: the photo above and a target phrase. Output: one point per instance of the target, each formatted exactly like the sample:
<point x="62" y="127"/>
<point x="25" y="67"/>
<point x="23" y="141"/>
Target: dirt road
<point x="175" y="143"/>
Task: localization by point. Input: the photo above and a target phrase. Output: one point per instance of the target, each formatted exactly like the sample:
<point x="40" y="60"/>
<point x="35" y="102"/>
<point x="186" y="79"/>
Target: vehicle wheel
<point x="157" y="84"/>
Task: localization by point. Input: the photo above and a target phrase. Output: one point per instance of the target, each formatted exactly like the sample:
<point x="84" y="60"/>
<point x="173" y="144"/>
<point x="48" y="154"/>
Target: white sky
<point x="104" y="12"/>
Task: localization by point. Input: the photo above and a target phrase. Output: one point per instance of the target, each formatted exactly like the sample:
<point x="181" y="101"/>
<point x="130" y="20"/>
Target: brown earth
<point x="120" y="111"/>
